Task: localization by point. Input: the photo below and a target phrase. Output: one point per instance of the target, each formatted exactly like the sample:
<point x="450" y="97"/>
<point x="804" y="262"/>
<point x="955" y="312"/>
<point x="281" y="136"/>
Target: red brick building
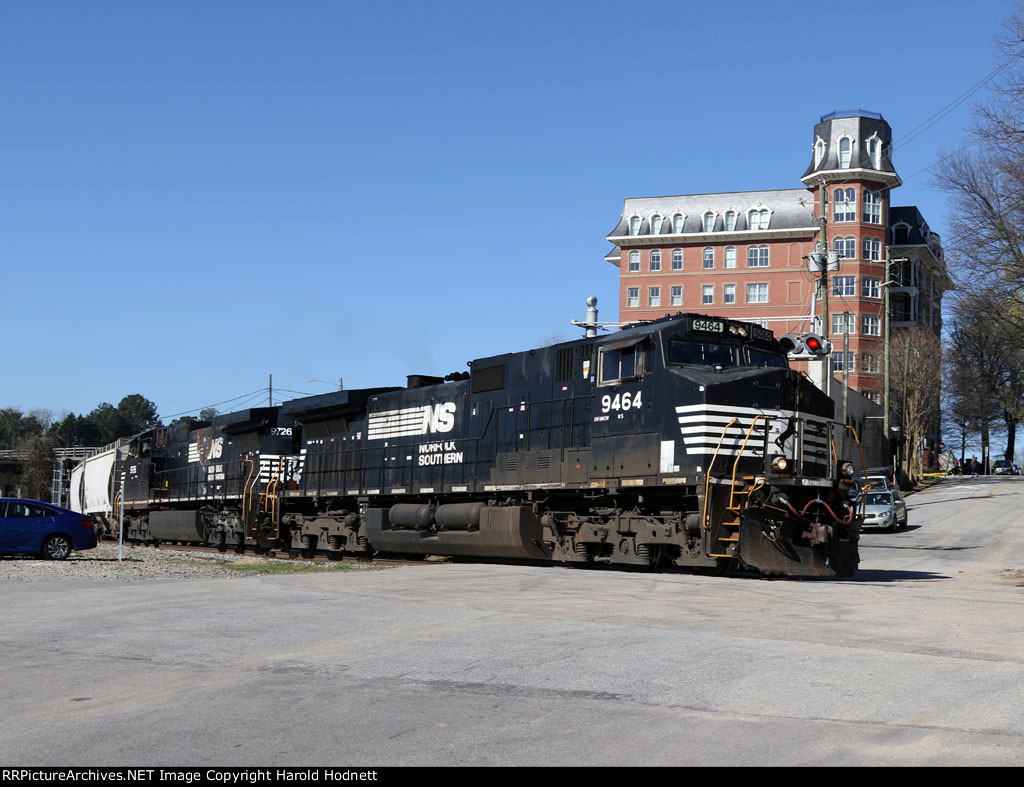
<point x="744" y="254"/>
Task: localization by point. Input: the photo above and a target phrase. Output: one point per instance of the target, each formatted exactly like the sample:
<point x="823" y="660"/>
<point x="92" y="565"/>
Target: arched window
<point x="634" y="262"/>
<point x="730" y="256"/>
<point x="655" y="224"/>
<point x="758" y="219"/>
<point x="677" y="259"/>
<point x="757" y="257"/>
<point x="634" y="225"/>
<point x="677" y="223"/>
<point x="819" y="151"/>
<point x="847" y="247"/>
<point x="709" y="221"/>
<point x="656" y="260"/>
<point x="875" y="152"/>
<point x="873" y="207"/>
<point x="845" y="152"/>
<point x="845" y="204"/>
<point x="709" y="257"/>
<point x="730" y="220"/>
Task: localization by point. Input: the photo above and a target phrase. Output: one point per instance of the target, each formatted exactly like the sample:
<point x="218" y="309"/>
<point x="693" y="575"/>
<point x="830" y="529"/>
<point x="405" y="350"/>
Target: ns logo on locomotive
<point x="686" y="441"/>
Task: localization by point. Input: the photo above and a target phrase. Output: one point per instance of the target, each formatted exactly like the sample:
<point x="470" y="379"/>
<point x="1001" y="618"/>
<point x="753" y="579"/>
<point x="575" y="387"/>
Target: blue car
<point x="35" y="527"/>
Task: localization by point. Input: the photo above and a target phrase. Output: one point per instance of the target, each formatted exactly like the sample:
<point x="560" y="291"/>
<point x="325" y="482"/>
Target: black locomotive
<point x="685" y="441"/>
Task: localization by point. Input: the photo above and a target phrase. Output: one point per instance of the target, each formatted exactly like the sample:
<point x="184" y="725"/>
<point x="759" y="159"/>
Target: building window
<point x="872" y="249"/>
<point x="677" y="223"/>
<point x="869" y="325"/>
<point x="730" y="256"/>
<point x="677" y="295"/>
<point x="819" y="150"/>
<point x="845" y="205"/>
<point x="871" y="288"/>
<point x="707" y="294"/>
<point x="845" y="149"/>
<point x="633" y="297"/>
<point x="709" y="257"/>
<point x="634" y="262"/>
<point x="677" y="259"/>
<point x="758" y="219"/>
<point x="757" y="257"/>
<point x="655" y="260"/>
<point x="875" y="152"/>
<point x="869" y="363"/>
<point x="847" y="247"/>
<point x="837" y="324"/>
<point x="873" y="207"/>
<point x="874" y="396"/>
<point x="729" y="293"/>
<point x="654" y="296"/>
<point x="757" y="293"/>
<point x="844" y="285"/>
<point x="634" y="225"/>
<point x="838" y="361"/>
<point x="655" y="224"/>
<point x="730" y="220"/>
<point x="709" y="221"/>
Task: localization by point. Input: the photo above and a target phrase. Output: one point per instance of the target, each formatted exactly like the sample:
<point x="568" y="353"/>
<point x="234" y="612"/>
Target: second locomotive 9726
<point x="685" y="441"/>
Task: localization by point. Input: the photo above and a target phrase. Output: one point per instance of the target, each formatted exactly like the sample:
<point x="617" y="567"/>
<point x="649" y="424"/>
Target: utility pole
<point x="270" y="390"/>
<point x="846" y="364"/>
<point x="826" y="371"/>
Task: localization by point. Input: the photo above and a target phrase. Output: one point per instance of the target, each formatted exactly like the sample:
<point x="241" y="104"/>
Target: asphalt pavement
<point x="918" y="660"/>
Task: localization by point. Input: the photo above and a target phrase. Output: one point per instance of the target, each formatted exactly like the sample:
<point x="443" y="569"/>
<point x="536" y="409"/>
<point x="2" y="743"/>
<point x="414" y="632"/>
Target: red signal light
<point x="813" y="343"/>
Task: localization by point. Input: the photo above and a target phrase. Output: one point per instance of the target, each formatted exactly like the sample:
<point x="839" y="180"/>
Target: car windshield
<point x="879" y="499"/>
<point x="1002" y="463"/>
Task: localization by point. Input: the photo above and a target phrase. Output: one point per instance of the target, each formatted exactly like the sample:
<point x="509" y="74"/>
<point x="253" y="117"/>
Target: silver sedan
<point x="887" y="510"/>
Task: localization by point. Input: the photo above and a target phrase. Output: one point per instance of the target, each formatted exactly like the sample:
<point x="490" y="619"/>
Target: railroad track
<point x="285" y="555"/>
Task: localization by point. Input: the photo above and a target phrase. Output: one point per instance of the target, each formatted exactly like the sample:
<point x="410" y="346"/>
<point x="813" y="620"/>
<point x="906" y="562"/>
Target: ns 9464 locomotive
<point x="685" y="441"/>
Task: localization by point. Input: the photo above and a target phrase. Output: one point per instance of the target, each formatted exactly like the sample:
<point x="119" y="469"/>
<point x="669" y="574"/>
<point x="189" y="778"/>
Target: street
<point x="918" y="660"/>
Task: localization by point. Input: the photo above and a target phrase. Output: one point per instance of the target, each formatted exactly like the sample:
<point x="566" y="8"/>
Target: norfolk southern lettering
<point x="438" y="454"/>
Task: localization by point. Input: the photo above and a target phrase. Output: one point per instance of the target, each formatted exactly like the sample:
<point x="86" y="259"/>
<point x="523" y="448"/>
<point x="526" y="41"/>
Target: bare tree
<point x="916" y="369"/>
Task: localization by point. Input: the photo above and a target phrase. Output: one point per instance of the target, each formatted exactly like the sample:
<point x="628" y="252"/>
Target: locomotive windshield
<point x="701" y="353"/>
<point x="757" y="357"/>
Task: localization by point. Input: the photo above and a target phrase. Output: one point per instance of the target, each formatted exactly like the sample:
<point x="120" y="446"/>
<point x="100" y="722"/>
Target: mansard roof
<point x="789" y="209"/>
<point x="859" y="127"/>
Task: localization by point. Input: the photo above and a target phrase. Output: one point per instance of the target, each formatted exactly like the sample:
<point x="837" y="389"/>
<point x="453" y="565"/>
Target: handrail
<point x="707" y="483"/>
<point x="739" y="455"/>
<point x="864" y="467"/>
<point x="246" y="488"/>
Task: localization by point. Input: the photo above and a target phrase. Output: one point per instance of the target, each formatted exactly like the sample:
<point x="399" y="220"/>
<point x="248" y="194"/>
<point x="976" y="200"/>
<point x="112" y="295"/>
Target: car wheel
<point x="57" y="547"/>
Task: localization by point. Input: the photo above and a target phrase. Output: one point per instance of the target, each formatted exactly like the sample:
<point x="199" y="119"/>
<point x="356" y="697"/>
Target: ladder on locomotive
<point x="726" y="532"/>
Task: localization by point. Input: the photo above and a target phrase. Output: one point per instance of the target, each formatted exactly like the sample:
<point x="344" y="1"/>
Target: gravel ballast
<point x="142" y="563"/>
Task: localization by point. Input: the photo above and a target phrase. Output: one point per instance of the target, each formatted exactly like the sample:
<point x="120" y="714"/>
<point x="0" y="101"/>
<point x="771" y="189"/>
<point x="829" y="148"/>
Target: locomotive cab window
<point x="620" y="361"/>
<point x="690" y="353"/>
<point x="757" y="357"/>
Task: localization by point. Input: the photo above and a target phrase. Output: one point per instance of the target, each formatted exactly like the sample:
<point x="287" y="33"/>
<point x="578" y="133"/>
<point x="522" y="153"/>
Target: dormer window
<point x="709" y="221"/>
<point x="677" y="223"/>
<point x="845" y="152"/>
<point x="819" y="151"/>
<point x="758" y="219"/>
<point x="730" y="220"/>
<point x="874" y="146"/>
<point x="634" y="225"/>
<point x="655" y="224"/>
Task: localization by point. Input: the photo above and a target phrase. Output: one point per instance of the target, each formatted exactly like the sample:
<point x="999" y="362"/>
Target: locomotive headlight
<point x="780" y="464"/>
<point x="847" y="470"/>
<point x="741" y="330"/>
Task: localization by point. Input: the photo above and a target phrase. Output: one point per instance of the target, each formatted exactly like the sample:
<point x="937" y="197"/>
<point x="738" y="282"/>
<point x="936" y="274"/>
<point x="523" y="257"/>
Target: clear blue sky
<point x="198" y="194"/>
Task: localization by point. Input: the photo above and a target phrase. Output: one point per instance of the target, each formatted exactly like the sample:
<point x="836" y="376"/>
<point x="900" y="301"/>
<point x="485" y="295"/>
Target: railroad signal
<point x="817" y="346"/>
<point x="806" y="347"/>
<point x="793" y="345"/>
